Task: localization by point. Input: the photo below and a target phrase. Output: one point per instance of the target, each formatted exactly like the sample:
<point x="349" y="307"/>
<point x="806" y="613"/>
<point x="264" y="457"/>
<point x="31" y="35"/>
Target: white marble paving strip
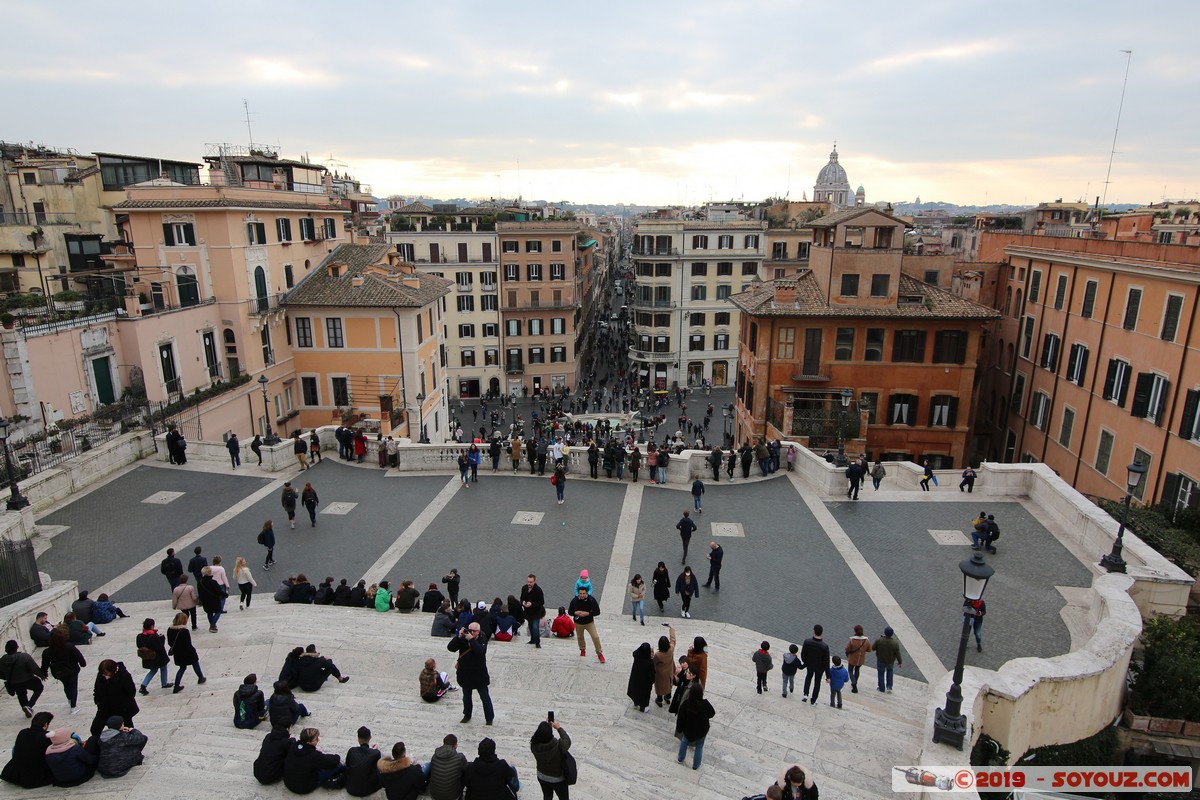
<point x="152" y="561"/>
<point x="914" y="647"/>
<point x="390" y="557"/>
<point x="622" y="553"/>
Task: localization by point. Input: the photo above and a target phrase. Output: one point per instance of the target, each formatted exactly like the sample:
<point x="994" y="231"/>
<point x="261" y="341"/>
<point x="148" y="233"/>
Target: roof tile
<point x="381" y="287"/>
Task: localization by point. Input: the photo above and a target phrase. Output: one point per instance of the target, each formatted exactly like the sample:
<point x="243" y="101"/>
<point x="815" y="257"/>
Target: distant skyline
<point x="649" y="103"/>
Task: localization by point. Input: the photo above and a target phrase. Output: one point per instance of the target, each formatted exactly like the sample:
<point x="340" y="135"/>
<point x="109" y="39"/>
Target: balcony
<point x="811" y="373"/>
<point x="653" y="358"/>
<point x="36" y="218"/>
<point x="653" y="304"/>
<point x="514" y="368"/>
<point x="266" y="303"/>
<point x="657" y="251"/>
<point x="487" y="288"/>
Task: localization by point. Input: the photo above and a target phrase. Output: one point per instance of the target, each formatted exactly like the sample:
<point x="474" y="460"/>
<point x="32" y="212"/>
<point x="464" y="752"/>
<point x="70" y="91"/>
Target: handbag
<point x="554" y="480"/>
<point x="570" y="770"/>
<point x="146" y="653"/>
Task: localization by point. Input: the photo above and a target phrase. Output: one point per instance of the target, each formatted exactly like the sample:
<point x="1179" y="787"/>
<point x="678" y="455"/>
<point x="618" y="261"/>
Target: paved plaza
<point x="791" y="560"/>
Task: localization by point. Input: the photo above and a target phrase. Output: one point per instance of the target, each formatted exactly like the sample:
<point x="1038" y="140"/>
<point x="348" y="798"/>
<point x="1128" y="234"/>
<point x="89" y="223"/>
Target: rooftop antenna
<point x="249" y="132"/>
<point x="1120" y="108"/>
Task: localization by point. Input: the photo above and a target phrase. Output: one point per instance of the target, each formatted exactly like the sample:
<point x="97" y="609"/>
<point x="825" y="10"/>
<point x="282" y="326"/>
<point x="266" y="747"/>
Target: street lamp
<point x="846" y="397"/>
<point x="727" y="413"/>
<point x="421" y="416"/>
<point x="270" y="438"/>
<point x="1113" y="562"/>
<point x="17" y="501"/>
<point x="950" y="724"/>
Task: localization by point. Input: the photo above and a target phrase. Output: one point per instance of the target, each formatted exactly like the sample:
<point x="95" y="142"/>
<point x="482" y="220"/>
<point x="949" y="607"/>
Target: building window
<point x="1050" y="352"/>
<point x="1089" y="299"/>
<point x="512" y="360"/>
<point x="491" y="357"/>
<point x="511" y="247"/>
<point x="308" y="391"/>
<point x="1060" y="293"/>
<point x="558" y="272"/>
<point x="1133" y="304"/>
<point x="724" y="269"/>
<point x="421" y="329"/>
<point x="487" y="281"/>
<point x="696" y="342"/>
<point x="869" y="401"/>
<point x="491" y="330"/>
<point x="533" y="246"/>
<point x="787" y="343"/>
<point x="662" y="270"/>
<point x="341" y="391"/>
<point x="844" y="349"/>
<point x="1039" y="407"/>
<point x="909" y="346"/>
<point x="489" y="302"/>
<point x="304" y="337"/>
<point x="662" y="320"/>
<point x="1189" y="426"/>
<point x="512" y="327"/>
<point x="1067" y="426"/>
<point x="943" y="411"/>
<point x="1140" y="456"/>
<point x="751" y="242"/>
<point x="1077" y="364"/>
<point x="902" y="409"/>
<point x="1104" y="450"/>
<point x="749" y="268"/>
<point x="179" y="233"/>
<point x="874" y="347"/>
<point x="850" y="285"/>
<point x="465" y="302"/>
<point x="696" y="320"/>
<point x="1116" y="382"/>
<point x="558" y="354"/>
<point x="308" y="229"/>
<point x="466" y="331"/>
<point x="662" y="344"/>
<point x="256" y="233"/>
<point x="700" y="292"/>
<point x="699" y="242"/>
<point x="333" y="334"/>
<point x="537" y="355"/>
<point x="512" y="272"/>
<point x="536" y="327"/>
<point x="950" y="347"/>
<point x="558" y="326"/>
<point x="1035" y="285"/>
<point x="880" y="285"/>
<point x="1150" y="397"/>
<point x="1171" y="314"/>
<point x="699" y="270"/>
<point x="533" y="272"/>
<point x="468" y="357"/>
<point x="723" y="292"/>
<point x="721" y="341"/>
<point x="556" y="245"/>
<point x="802" y="250"/>
<point x="779" y="251"/>
<point x="1027" y="338"/>
<point x="725" y="242"/>
<point x="330" y="228"/>
<point x="1018" y="395"/>
<point x="721" y="318"/>
<point x="283" y="229"/>
<point x="463" y="281"/>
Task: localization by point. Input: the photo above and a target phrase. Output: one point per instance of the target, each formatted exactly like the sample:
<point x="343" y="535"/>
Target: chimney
<point x="357" y="280"/>
<point x="785" y="292"/>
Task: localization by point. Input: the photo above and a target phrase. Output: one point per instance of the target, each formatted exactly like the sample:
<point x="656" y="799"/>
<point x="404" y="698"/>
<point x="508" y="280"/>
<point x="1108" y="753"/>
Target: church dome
<point x="833" y="174"/>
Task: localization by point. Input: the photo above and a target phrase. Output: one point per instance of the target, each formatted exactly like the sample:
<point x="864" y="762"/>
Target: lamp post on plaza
<point x="270" y="438"/>
<point x="949" y="723"/>
<point x="421" y="416"/>
<point x="1113" y="562"/>
<point x="846" y="397"/>
<point x="16" y="501"/>
<point x="727" y="413"/>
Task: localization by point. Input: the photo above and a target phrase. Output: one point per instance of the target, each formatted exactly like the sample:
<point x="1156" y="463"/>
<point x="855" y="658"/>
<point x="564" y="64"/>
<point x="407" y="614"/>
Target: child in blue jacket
<point x="838" y="676"/>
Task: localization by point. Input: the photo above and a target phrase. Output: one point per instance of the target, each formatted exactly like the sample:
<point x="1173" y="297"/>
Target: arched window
<point x="231" y="353"/>
<point x="187" y="287"/>
<point x="260" y="289"/>
<point x="1016" y="312"/>
<point x="1007" y="301"/>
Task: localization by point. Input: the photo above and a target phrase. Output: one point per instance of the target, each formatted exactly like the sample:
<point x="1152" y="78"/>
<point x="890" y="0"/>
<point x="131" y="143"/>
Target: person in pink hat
<point x="584" y="583"/>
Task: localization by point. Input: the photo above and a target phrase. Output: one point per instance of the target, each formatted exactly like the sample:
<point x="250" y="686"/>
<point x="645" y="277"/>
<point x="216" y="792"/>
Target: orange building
<point x="366" y="332"/>
<point x="856" y="321"/>
<point x="1095" y="364"/>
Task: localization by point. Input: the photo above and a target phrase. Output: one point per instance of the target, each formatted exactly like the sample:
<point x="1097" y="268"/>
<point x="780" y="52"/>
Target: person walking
<point x="235" y="449"/>
<point x="637" y="598"/>
<point x="662" y="585"/>
<point x="266" y="537"/>
<point x="856" y="653"/>
<point x="791" y="457"/>
<point x="549" y="753"/>
<point x="584" y="609"/>
<point x="887" y="657"/>
<point x="196" y="564"/>
<point x="731" y="463"/>
<point x="256" y="447"/>
<point x="314" y="448"/>
<point x="878" y="473"/>
<point x="974" y="610"/>
<point x="533" y="602"/>
<point x="245" y="582"/>
<point x="559" y="479"/>
<point x="184" y="598"/>
<point x="697" y="493"/>
<point x="211" y="599"/>
<point x="152" y="650"/>
<point x="716" y="554"/>
<point x="686" y="528"/>
<point x="641" y="677"/>
<point x="182" y="651"/>
<point x="464" y="469"/>
<point x="927" y="475"/>
<point x="300" y="448"/>
<point x="309" y="499"/>
<point x="171" y="568"/>
<point x="288" y="500"/>
<point x="687" y="587"/>
<point x="814" y="654"/>
<point x="855" y="474"/>
<point x="63" y="660"/>
<point x="692" y="723"/>
<point x="22" y="676"/>
<point x="471" y="670"/>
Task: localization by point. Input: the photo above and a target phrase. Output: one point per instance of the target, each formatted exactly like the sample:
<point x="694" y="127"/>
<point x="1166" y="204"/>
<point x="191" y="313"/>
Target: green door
<point x="102" y="371"/>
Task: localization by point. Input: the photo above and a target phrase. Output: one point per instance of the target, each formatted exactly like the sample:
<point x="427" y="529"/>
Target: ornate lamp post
<point x="421" y="416"/>
<point x="949" y="723"/>
<point x="1113" y="562"/>
<point x="846" y="397"/>
<point x="270" y="438"/>
<point x="17" y="501"/>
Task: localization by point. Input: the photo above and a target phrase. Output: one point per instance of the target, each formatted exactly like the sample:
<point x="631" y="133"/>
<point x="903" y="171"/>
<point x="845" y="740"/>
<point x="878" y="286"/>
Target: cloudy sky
<point x="645" y="102"/>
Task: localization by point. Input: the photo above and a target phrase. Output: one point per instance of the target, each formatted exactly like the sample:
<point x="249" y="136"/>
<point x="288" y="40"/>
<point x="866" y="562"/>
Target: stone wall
<point x="55" y="599"/>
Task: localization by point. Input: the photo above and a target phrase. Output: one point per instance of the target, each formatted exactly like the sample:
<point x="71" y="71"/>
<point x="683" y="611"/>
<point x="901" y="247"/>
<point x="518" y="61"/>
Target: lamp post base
<point x="17" y="502"/>
<point x="949" y="729"/>
<point x="1113" y="562"/>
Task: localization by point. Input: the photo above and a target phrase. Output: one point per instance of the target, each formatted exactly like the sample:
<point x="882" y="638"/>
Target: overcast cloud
<point x="643" y="102"/>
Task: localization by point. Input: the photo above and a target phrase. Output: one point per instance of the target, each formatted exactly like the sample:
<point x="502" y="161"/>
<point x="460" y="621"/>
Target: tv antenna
<point x="249" y="132"/>
<point x="1117" y="128"/>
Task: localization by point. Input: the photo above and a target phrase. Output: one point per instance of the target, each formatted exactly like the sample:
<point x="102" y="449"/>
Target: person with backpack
<point x="266" y="537"/>
<point x="288" y="499"/>
<point x="993" y="533"/>
<point x="249" y="703"/>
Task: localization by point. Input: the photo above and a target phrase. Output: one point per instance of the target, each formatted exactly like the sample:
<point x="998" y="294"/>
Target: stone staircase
<point x="195" y="752"/>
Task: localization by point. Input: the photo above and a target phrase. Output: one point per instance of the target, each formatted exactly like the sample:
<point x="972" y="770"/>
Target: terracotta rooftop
<point x="381" y="286"/>
<point x="415" y="208"/>
<point x="838" y="217"/>
<point x="759" y="300"/>
<point x="225" y="202"/>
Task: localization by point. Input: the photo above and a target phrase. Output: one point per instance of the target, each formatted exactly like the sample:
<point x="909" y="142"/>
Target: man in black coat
<point x="362" y="766"/>
<point x="856" y="472"/>
<point x="171" y="568"/>
<point x="268" y="767"/>
<point x="686" y="528"/>
<point x="315" y="668"/>
<point x="814" y="657"/>
<point x="306" y="767"/>
<point x="196" y="566"/>
<point x="471" y="670"/>
<point x="488" y="776"/>
<point x="534" y="603"/>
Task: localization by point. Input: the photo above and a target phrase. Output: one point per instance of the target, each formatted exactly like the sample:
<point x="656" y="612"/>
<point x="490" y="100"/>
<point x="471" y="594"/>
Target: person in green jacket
<point x="383" y="597"/>
<point x="887" y="656"/>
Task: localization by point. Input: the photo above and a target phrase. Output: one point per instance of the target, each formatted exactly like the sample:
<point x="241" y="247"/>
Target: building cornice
<point x="1184" y="273"/>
